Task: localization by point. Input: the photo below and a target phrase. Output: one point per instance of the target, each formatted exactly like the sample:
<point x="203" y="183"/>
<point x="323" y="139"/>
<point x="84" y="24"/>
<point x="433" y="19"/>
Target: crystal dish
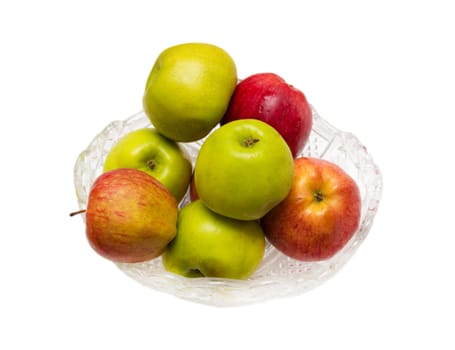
<point x="278" y="275"/>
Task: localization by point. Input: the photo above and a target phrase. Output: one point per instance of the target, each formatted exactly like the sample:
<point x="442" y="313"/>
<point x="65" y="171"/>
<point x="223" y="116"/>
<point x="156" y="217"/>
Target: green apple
<point x="244" y="169"/>
<point x="188" y="90"/>
<point x="147" y="150"/>
<point x="211" y="245"/>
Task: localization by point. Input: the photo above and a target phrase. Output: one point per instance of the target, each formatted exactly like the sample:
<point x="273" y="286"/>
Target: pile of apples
<point x="248" y="185"/>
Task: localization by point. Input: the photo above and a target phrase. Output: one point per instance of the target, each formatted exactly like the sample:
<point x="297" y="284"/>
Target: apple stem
<point x="151" y="164"/>
<point x="249" y="141"/>
<point x="318" y="196"/>
<point x="77" y="212"/>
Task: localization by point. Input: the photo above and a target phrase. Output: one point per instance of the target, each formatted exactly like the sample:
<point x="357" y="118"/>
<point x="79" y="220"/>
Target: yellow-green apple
<point x="130" y="216"/>
<point x="268" y="97"/>
<point x="320" y="214"/>
<point x="243" y="169"/>
<point x="188" y="90"/>
<point x="147" y="150"/>
<point x="211" y="245"/>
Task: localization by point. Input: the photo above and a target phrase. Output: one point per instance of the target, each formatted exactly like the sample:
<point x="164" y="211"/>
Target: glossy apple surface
<point x="188" y="90"/>
<point x="268" y="97"/>
<point x="243" y="169"/>
<point x="147" y="150"/>
<point x="320" y="214"/>
<point x="211" y="245"/>
<point x="130" y="216"/>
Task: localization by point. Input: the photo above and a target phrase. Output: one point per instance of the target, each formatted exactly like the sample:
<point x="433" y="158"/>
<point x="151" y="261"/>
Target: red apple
<point x="130" y="216"/>
<point x="267" y="97"/>
<point x="320" y="214"/>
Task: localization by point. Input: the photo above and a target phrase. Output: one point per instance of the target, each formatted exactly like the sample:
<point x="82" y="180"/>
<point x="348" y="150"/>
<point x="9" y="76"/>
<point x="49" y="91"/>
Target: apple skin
<point x="243" y="169"/>
<point x="211" y="245"/>
<point x="320" y="214"/>
<point x="147" y="150"/>
<point x="188" y="90"/>
<point x="130" y="216"/>
<point x="267" y="97"/>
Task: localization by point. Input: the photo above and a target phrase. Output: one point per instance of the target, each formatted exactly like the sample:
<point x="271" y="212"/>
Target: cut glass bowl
<point x="278" y="275"/>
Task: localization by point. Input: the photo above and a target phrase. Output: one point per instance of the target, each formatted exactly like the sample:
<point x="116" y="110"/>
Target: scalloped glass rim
<point x="278" y="275"/>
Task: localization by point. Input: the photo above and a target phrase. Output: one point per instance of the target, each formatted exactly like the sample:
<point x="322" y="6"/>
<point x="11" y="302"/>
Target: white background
<point x="382" y="70"/>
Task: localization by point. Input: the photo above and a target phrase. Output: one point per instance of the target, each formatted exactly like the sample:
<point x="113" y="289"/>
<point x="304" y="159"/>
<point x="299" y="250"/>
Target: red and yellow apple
<point x="130" y="216"/>
<point x="193" y="191"/>
<point x="268" y="97"/>
<point x="320" y="214"/>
